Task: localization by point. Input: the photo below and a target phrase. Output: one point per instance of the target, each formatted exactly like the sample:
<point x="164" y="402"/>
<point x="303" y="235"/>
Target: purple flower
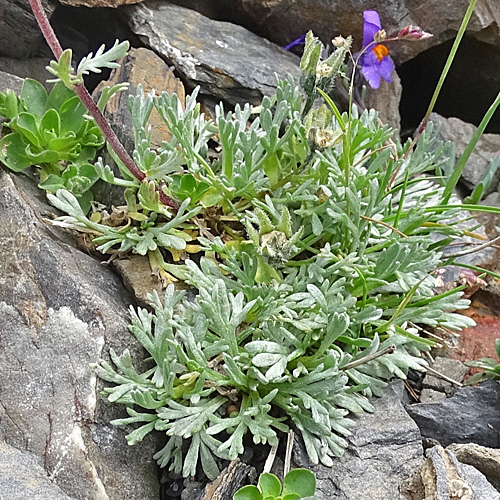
<point x="375" y="62"/>
<point x="300" y="41"/>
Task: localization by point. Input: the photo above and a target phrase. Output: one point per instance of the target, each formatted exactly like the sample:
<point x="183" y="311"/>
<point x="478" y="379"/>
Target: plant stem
<point x="370" y="357"/>
<point x="89" y="103"/>
<point x="444" y="377"/>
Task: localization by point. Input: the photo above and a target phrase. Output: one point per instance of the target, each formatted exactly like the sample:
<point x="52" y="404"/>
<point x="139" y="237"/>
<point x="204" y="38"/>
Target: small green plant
<point x="490" y="366"/>
<point x="297" y="484"/>
<point x="319" y="245"/>
<point x="319" y="265"/>
<point x="52" y="132"/>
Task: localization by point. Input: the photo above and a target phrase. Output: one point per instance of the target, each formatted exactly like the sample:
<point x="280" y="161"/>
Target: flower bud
<point x="413" y="33"/>
<point x="380" y="36"/>
<point x="339" y="41"/>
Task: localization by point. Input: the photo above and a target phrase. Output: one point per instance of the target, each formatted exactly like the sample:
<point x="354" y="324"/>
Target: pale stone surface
<point x="451" y="368"/>
<point x="444" y="478"/>
<point x="9" y="81"/>
<point x="228" y="61"/>
<point x="487" y="148"/>
<point x="485" y="460"/>
<point x="61" y="310"/>
<point x="23" y="477"/>
<point x="99" y="3"/>
<point x="384" y="450"/>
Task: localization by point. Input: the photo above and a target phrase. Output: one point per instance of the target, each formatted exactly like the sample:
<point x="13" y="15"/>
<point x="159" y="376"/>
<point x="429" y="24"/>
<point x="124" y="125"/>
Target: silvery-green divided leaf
<point x="103" y="59"/>
<point x="66" y="202"/>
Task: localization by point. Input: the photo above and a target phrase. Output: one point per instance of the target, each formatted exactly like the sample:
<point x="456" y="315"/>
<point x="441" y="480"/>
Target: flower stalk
<point x="89" y="103"/>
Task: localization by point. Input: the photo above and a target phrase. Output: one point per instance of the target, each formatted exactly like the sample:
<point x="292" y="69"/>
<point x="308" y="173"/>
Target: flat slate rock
<point x="471" y="415"/>
<point x="227" y="61"/>
<point x="485" y="460"/>
<point x="487" y="148"/>
<point x="384" y="450"/>
<point x="23" y="477"/>
<point x="98" y="3"/>
<point x="285" y="20"/>
<point x="61" y="310"/>
<point x="12" y="82"/>
<point x="20" y="36"/>
<point x="445" y="478"/>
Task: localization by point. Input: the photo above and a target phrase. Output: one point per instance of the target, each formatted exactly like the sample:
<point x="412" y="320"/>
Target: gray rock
<point x="61" y="310"/>
<point x="28" y="68"/>
<point x="98" y="3"/>
<point x="226" y="60"/>
<point x="20" y="36"/>
<point x="23" y="477"/>
<point x="431" y="396"/>
<point x="464" y="250"/>
<point x="471" y="415"/>
<point x="12" y="82"/>
<point x="230" y="480"/>
<point x="487" y="148"/>
<point x="283" y="21"/>
<point x="386" y="101"/>
<point x="384" y="450"/>
<point x="492" y="200"/>
<point x="444" y="477"/>
<point x="485" y="460"/>
<point x="452" y="368"/>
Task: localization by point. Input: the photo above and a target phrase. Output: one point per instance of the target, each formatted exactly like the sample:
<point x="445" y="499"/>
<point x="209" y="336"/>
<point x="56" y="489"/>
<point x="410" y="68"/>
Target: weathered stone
<point x="231" y="479"/>
<point x="140" y="67"/>
<point x="386" y="101"/>
<point x="487" y="148"/>
<point x="61" y="310"/>
<point x="471" y="415"/>
<point x="431" y="396"/>
<point x="226" y="60"/>
<point x="99" y="3"/>
<point x="452" y="368"/>
<point x="23" y="477"/>
<point x="444" y="478"/>
<point x="12" y="82"/>
<point x="492" y="200"/>
<point x="384" y="450"/>
<point x="138" y="278"/>
<point x="20" y="35"/>
<point x="485" y="460"/>
<point x="283" y="20"/>
<point x="28" y="68"/>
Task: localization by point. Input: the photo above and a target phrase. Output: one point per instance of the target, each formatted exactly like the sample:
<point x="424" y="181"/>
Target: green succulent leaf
<point x="249" y="492"/>
<point x="269" y="485"/>
<point x="301" y="482"/>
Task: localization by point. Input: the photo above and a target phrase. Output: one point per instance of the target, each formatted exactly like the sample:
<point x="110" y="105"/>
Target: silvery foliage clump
<point x="312" y="296"/>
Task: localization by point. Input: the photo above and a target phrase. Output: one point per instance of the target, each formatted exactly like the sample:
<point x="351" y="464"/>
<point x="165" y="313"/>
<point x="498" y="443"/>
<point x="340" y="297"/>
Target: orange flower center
<point x="380" y="51"/>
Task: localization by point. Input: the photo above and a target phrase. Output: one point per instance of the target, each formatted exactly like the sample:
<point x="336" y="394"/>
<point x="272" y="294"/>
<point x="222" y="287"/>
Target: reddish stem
<point x="89" y="103"/>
